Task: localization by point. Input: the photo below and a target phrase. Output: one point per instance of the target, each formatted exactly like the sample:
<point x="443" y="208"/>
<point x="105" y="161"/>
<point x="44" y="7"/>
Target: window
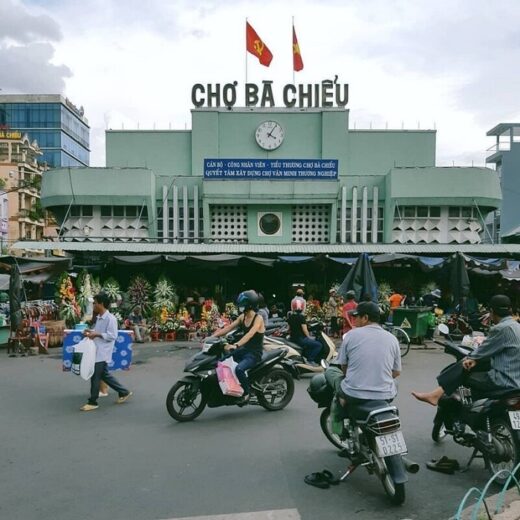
<point x="106" y="211"/>
<point x="454" y="212"/>
<point x="119" y="211"/>
<point x="131" y="211"/>
<point x="435" y="211"/>
<point x="87" y="211"/>
<point x="422" y="211"/>
<point x="75" y="211"/>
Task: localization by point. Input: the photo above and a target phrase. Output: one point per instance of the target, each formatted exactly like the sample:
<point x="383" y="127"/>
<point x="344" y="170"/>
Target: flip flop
<point x="317" y="480"/>
<point x="441" y="466"/>
<point x="331" y="479"/>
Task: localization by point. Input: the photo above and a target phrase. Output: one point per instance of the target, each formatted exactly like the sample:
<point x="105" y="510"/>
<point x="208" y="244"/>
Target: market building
<point x="60" y="127"/>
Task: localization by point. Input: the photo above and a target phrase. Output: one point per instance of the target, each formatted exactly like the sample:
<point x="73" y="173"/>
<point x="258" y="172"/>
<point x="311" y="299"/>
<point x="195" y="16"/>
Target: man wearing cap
<point x="370" y="358"/>
<point x="501" y="349"/>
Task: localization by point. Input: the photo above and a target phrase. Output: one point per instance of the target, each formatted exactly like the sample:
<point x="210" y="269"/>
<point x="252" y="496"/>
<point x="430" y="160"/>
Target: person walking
<point x="104" y="335"/>
<point x="350" y="305"/>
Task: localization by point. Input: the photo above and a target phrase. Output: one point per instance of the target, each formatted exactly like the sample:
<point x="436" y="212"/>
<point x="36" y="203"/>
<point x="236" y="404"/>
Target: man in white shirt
<point x="104" y="336"/>
<point x="370" y="358"/>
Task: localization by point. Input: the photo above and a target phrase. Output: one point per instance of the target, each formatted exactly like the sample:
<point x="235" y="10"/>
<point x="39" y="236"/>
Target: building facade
<point x="505" y="155"/>
<point x="271" y="179"/>
<point x="59" y="127"/>
<point x="20" y="174"/>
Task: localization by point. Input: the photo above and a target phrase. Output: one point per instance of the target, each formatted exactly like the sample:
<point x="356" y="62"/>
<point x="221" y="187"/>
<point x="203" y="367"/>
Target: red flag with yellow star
<point x="297" y="57"/>
<point x="257" y="47"/>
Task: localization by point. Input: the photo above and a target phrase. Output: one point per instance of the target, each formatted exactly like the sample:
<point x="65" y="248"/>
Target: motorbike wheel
<point x="326" y="428"/>
<point x="403" y="339"/>
<point x="394" y="491"/>
<point x="277" y="389"/>
<point x="501" y="430"/>
<point x="182" y="404"/>
<point x="438" y="431"/>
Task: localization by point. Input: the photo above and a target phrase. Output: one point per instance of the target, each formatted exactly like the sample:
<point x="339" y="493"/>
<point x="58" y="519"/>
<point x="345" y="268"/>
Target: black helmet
<point x="247" y="300"/>
<point x="319" y="391"/>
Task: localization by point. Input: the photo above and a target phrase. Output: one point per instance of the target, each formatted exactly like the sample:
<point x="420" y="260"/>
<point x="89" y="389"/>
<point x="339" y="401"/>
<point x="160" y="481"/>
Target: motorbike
<point x="491" y="426"/>
<point x="271" y="380"/>
<point x="294" y="351"/>
<point x="369" y="435"/>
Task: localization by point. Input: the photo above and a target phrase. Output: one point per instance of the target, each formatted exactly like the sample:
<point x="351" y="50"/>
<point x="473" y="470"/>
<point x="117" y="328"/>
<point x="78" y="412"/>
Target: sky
<point x="452" y="65"/>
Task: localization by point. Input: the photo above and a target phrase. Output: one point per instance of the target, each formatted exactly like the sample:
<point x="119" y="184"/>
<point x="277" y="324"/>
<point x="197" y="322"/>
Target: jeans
<point x="101" y="373"/>
<point x="246" y="360"/>
<point x="311" y="348"/>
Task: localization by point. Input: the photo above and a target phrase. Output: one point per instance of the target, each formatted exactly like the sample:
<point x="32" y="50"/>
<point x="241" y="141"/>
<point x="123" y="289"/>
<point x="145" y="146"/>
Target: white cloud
<point x="448" y="63"/>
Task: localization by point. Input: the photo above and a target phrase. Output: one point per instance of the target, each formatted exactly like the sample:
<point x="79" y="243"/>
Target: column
<point x="375" y="213"/>
<point x="165" y="213"/>
<point x="364" y="206"/>
<point x="186" y="214"/>
<point x="196" y="213"/>
<point x="353" y="219"/>
<point x="343" y="223"/>
<point x="175" y="215"/>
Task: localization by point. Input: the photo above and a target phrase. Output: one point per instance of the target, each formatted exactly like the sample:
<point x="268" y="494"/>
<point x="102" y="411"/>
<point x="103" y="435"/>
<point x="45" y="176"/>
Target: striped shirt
<point x="502" y="348"/>
<point x="106" y="325"/>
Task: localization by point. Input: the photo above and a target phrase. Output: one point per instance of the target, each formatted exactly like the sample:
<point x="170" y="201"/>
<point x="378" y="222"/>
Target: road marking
<point x="278" y="514"/>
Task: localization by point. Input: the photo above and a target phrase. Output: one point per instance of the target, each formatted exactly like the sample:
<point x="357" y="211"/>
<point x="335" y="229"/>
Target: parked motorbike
<point x="271" y="380"/>
<point x="490" y="426"/>
<point x="295" y="352"/>
<point x="370" y="435"/>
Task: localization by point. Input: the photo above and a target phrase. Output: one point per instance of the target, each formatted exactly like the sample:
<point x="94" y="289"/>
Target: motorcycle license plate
<point x="514" y="417"/>
<point x="390" y="444"/>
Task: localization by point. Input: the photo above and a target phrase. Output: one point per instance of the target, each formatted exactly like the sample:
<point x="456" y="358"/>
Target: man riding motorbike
<point x="247" y="351"/>
<point x="300" y="333"/>
<point x="497" y="360"/>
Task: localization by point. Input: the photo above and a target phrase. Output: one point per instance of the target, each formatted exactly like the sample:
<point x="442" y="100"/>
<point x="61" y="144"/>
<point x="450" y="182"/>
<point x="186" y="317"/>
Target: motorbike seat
<point x="503" y="392"/>
<point x="359" y="411"/>
<point x="266" y="357"/>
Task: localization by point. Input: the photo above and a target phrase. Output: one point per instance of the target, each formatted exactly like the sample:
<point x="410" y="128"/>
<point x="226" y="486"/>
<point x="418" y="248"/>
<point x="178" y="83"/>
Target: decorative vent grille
<point x="228" y="223"/>
<point x="311" y="224"/>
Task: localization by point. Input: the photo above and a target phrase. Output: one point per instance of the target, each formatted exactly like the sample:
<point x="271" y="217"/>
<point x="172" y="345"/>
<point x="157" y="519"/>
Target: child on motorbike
<point x="247" y="351"/>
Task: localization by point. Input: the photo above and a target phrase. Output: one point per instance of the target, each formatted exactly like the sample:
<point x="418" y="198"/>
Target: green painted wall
<point x="166" y="152"/>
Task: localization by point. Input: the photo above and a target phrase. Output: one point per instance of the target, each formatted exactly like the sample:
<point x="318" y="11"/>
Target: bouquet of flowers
<point x="170" y="325"/>
<point x="69" y="309"/>
<point x="85" y="290"/>
<point x="139" y="292"/>
<point x="314" y="310"/>
<point x="111" y="289"/>
<point x="164" y="294"/>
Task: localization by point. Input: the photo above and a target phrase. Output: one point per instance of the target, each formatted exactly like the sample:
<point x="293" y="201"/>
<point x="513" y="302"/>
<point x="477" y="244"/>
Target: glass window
<point x="106" y="211"/>
<point x="87" y="211"/>
<point x="409" y="211"/>
<point x="454" y="212"/>
<point x="75" y="211"/>
<point x="465" y="212"/>
<point x="422" y="211"/>
<point x="119" y="211"/>
<point x="435" y="211"/>
<point x="131" y="211"/>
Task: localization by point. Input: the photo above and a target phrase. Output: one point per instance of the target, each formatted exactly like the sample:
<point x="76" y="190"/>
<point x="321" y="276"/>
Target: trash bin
<point x="414" y="320"/>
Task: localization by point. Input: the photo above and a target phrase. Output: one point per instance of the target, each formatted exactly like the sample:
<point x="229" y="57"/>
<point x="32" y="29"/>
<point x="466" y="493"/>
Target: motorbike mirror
<point x="443" y="328"/>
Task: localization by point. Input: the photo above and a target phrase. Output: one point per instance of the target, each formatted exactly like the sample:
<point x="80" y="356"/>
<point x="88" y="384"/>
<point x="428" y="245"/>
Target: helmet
<point x="297" y="304"/>
<point x="319" y="391"/>
<point x="247" y="300"/>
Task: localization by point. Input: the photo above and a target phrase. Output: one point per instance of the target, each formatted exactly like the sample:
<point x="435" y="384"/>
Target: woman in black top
<point x="247" y="351"/>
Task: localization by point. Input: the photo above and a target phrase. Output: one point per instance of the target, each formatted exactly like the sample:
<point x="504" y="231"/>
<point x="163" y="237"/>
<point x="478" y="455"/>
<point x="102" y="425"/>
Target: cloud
<point x="26" y="54"/>
<point x="28" y="69"/>
<point x="17" y="24"/>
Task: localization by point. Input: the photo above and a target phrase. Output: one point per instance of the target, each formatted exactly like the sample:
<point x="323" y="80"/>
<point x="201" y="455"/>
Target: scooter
<point x="271" y="380"/>
<point x="369" y="435"/>
<point x="294" y="351"/>
<point x="491" y="426"/>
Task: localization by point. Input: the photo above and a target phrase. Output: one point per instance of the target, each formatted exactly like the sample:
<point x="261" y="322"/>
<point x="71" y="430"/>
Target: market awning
<point x="138" y="259"/>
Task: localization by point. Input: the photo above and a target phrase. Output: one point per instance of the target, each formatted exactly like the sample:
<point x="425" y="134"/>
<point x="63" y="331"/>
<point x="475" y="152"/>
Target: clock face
<point x="269" y="135"/>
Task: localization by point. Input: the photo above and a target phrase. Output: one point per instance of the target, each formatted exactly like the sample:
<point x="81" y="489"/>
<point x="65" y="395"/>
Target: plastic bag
<point x="84" y="359"/>
<point x="227" y="378"/>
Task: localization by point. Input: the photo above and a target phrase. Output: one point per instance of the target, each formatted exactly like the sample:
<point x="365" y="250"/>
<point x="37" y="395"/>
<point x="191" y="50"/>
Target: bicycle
<point x="401" y="335"/>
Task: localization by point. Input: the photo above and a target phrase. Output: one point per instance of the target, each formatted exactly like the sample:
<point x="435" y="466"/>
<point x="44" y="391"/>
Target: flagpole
<point x="293" y="76"/>
<point x="246" y="50"/>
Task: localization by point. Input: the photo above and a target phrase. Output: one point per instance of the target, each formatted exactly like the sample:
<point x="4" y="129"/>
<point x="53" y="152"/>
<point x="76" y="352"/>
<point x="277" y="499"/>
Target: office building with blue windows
<point x="59" y="127"/>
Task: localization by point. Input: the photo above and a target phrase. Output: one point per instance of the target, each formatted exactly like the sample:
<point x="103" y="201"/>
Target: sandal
<point x="331" y="479"/>
<point x="317" y="480"/>
<point x="443" y="465"/>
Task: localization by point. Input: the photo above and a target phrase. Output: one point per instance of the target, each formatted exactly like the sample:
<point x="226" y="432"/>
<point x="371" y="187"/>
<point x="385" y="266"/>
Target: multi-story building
<point x="20" y="176"/>
<point x="506" y="157"/>
<point x="59" y="127"/>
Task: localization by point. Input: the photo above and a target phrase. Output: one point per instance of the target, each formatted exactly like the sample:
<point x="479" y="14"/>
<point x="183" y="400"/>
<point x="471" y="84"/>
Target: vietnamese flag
<point x="297" y="57"/>
<point x="257" y="47"/>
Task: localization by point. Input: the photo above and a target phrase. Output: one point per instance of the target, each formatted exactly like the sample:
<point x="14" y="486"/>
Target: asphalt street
<point x="132" y="461"/>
